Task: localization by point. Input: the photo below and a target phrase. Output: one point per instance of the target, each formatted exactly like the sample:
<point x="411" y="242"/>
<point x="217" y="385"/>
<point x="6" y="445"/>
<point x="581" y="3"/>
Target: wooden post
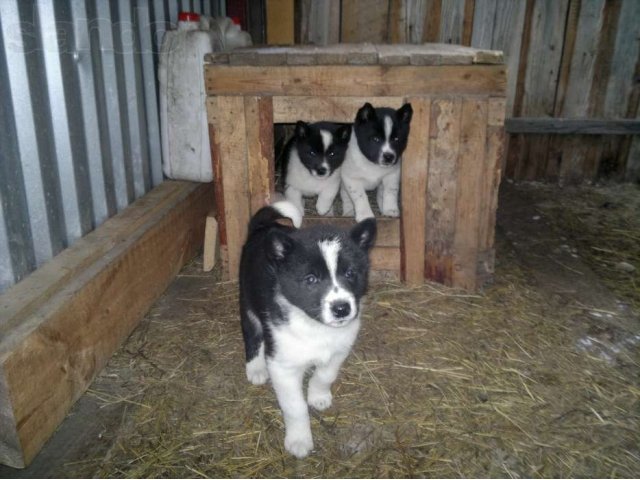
<point x="227" y="115"/>
<point x="258" y="112"/>
<point x="471" y="165"/>
<point x="442" y="187"/>
<point x="415" y="167"/>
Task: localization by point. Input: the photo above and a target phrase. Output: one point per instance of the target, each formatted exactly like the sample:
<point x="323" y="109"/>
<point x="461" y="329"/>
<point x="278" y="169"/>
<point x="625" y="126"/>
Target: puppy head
<point x="382" y="133"/>
<point x="323" y="271"/>
<point x="321" y="147"/>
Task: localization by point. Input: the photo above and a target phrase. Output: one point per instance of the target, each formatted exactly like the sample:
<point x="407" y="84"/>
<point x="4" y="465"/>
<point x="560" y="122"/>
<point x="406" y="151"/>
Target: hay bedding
<point x="441" y="384"/>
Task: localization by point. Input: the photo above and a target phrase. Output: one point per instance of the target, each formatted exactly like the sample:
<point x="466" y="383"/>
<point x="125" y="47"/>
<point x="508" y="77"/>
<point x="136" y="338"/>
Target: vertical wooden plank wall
<point x="565" y="58"/>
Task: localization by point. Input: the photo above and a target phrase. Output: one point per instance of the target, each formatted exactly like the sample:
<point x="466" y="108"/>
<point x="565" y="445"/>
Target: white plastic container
<point x="230" y="33"/>
<point x="183" y="119"/>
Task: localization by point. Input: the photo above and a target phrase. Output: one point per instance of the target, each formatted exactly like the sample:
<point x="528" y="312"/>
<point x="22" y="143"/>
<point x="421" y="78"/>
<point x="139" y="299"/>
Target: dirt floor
<point x="537" y="376"/>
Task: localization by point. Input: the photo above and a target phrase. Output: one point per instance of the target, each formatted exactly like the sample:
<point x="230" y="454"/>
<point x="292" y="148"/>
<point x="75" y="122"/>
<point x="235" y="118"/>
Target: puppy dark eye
<point x="376" y="139"/>
<point x="349" y="273"/>
<point x="395" y="139"/>
<point x="332" y="153"/>
<point x="311" y="279"/>
<point x="312" y="153"/>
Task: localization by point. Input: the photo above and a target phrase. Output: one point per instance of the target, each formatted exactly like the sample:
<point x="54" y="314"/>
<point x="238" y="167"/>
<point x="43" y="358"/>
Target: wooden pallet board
<point x="69" y="327"/>
<point x="350" y="81"/>
<point x="449" y="169"/>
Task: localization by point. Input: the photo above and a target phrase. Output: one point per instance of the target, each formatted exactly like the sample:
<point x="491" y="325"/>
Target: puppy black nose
<point x="341" y="310"/>
<point x="321" y="171"/>
<point x="388" y="157"/>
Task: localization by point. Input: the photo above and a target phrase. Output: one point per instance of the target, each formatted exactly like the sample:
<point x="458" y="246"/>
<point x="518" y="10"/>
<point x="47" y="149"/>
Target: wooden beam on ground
<point x="571" y="126"/>
<point x="59" y="327"/>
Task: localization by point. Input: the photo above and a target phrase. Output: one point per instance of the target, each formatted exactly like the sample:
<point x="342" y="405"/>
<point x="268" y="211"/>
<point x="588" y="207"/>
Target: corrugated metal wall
<point x="79" y="126"/>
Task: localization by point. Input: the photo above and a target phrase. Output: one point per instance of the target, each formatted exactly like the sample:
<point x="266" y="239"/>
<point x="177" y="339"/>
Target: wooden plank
<point x="347" y="81"/>
<point x="414" y="19"/>
<point x="388" y="228"/>
<point x="333" y="109"/>
<point x="543" y="62"/>
<point x="322" y="24"/>
<point x="467" y="22"/>
<point x="398" y="31"/>
<point x="623" y="89"/>
<point x="364" y="21"/>
<point x="484" y="17"/>
<point x="632" y="171"/>
<point x="432" y="21"/>
<point x="51" y="357"/>
<point x="576" y="100"/>
<point x="385" y="258"/>
<point x="472" y="164"/>
<point x="442" y="187"/>
<point x="451" y="21"/>
<point x="227" y="116"/>
<point x="507" y="37"/>
<point x="491" y="175"/>
<point x="218" y="186"/>
<point x="258" y="112"/>
<point x="210" y="242"/>
<point x="571" y="126"/>
<point x="568" y="47"/>
<point x="525" y="47"/>
<point x="604" y="57"/>
<point x="280" y="24"/>
<point x="415" y="168"/>
<point x="32" y="292"/>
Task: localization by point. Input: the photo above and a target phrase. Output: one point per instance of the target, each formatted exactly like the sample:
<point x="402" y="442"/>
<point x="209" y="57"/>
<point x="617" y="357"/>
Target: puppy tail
<point x="267" y="216"/>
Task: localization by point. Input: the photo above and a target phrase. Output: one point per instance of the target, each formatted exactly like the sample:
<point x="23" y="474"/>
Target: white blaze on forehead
<point x="327" y="139"/>
<point x="388" y="125"/>
<point x="330" y="250"/>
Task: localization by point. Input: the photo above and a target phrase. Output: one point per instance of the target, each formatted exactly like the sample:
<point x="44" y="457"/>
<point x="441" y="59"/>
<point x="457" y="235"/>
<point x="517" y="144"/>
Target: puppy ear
<point x="405" y="113"/>
<point x="366" y="113"/>
<point x="302" y="129"/>
<point x="364" y="233"/>
<point x="279" y="245"/>
<point x="343" y="133"/>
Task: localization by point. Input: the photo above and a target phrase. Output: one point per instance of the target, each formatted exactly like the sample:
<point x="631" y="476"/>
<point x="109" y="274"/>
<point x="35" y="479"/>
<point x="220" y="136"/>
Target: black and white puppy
<point x="300" y="307"/>
<point x="377" y="142"/>
<point x="314" y="157"/>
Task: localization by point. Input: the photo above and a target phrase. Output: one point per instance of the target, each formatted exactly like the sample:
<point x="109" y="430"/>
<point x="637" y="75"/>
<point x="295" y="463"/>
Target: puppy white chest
<point x="299" y="177"/>
<point x="357" y="168"/>
<point x="303" y="342"/>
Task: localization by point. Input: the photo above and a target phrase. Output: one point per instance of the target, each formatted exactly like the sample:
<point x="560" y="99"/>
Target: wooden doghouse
<point x="450" y="170"/>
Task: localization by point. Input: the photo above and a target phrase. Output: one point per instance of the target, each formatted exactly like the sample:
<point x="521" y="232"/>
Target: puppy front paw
<point x="362" y="216"/>
<point x="320" y="400"/>
<point x="257" y="373"/>
<point x="347" y="210"/>
<point x="298" y="444"/>
<point x="325" y="212"/>
<point x="391" y="212"/>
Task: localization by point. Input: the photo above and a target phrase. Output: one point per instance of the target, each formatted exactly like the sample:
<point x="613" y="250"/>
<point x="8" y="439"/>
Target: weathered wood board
<point x="58" y="331"/>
